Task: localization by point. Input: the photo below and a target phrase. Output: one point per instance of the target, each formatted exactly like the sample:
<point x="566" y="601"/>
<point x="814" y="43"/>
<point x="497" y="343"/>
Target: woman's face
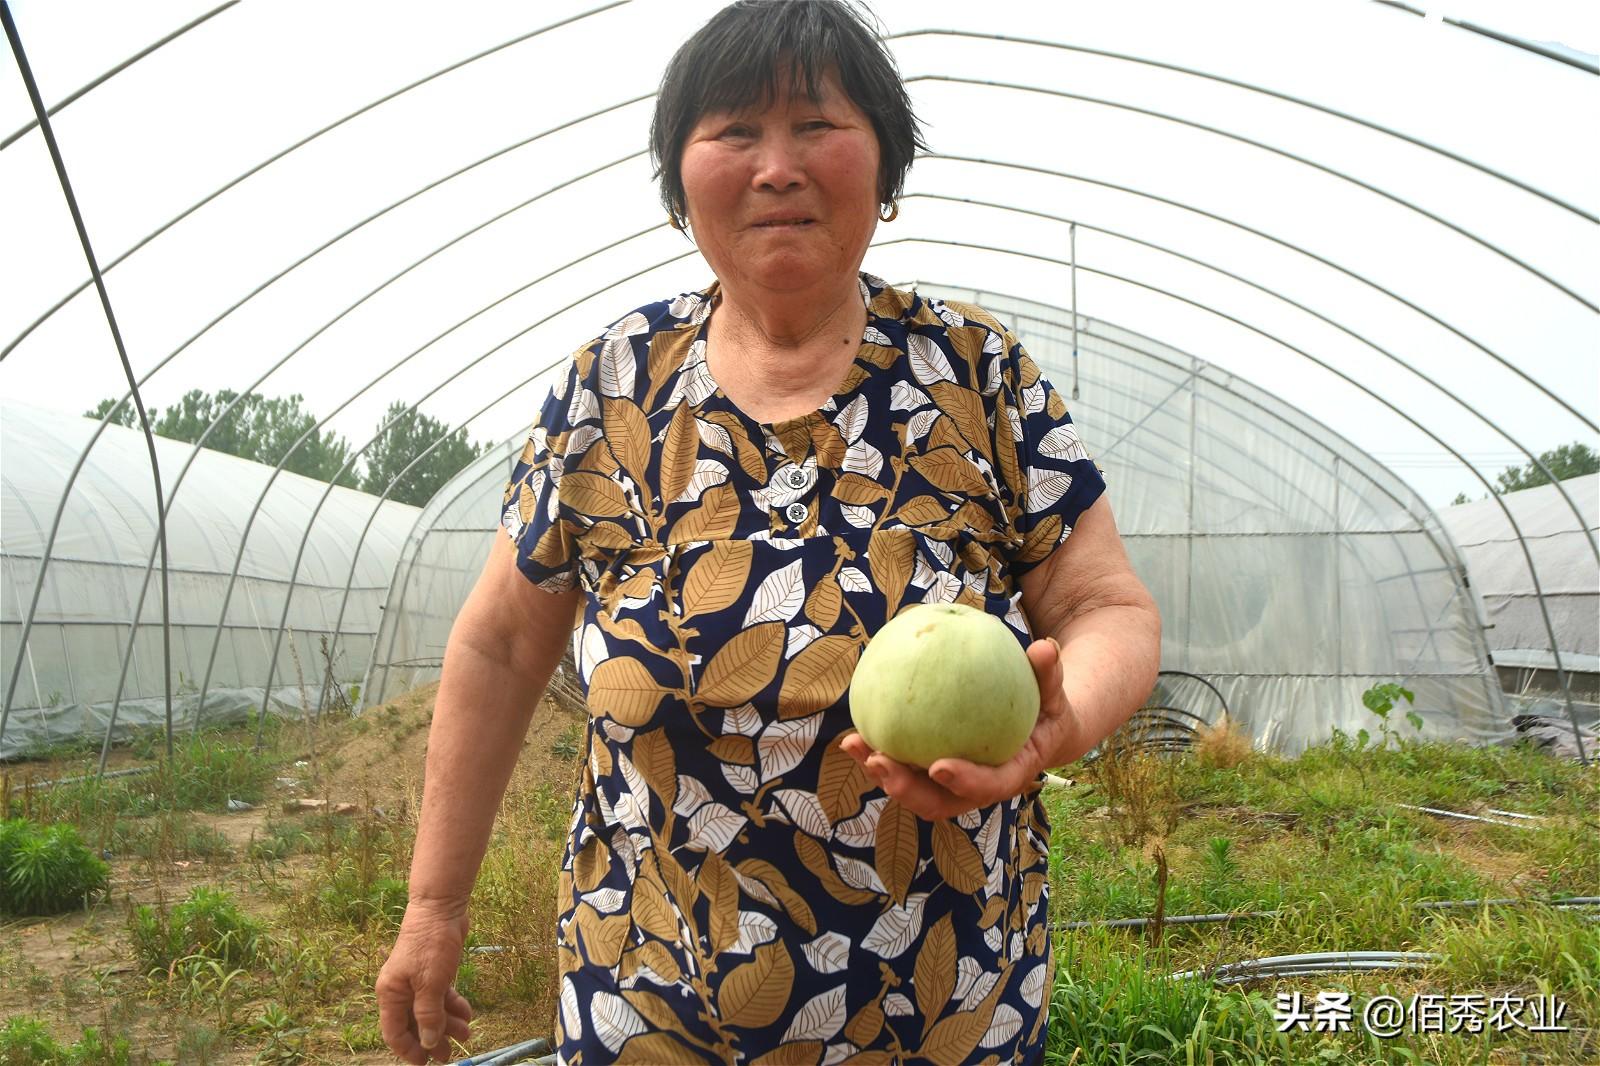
<point x="784" y="198"/>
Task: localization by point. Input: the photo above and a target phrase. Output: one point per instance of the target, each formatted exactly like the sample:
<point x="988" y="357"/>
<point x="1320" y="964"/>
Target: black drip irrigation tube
<point x="1311" y="964"/>
<point x="131" y="772"/>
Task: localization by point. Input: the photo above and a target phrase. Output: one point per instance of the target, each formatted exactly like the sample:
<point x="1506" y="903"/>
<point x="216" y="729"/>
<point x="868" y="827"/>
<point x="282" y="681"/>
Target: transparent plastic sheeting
<point x="1567" y="571"/>
<point x="308" y="246"/>
<point x="437" y="568"/>
<point x="1292" y="570"/>
<point x="98" y="563"/>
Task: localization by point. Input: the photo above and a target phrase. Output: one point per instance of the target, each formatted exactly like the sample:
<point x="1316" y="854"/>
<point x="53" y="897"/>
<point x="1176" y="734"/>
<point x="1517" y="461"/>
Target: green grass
<point x="25" y="1041"/>
<point x="1113" y="1004"/>
<point x="207" y="770"/>
<point x="1324" y="841"/>
<point x="1321" y="839"/>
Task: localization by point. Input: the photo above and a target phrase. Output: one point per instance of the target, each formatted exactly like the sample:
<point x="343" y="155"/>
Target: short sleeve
<point x="531" y="510"/>
<point x="1057" y="480"/>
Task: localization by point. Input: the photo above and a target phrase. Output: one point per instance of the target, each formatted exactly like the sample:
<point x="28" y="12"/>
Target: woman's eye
<point x="737" y="131"/>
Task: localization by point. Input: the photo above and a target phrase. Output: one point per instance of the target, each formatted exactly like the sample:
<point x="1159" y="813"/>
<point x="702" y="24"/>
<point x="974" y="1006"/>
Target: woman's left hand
<point x="954" y="786"/>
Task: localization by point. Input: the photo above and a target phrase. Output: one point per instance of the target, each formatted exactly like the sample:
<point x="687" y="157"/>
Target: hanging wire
<point x="1534" y="460"/>
<point x="1522" y="541"/>
<point x="43" y="119"/>
<point x="302" y="142"/>
<point x="1508" y="364"/>
<point x="1072" y="241"/>
<point x="1325" y="168"/>
<point x="1275" y="94"/>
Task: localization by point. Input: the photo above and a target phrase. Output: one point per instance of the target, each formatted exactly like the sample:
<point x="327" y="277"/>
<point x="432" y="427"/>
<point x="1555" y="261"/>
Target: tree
<point x="404" y="435"/>
<point x="1569" y="460"/>
<point x="259" y="428"/>
<point x="124" y="416"/>
<point x="1461" y="498"/>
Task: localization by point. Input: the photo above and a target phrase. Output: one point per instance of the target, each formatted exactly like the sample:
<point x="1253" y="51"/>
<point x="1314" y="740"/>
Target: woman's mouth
<point x="780" y="222"/>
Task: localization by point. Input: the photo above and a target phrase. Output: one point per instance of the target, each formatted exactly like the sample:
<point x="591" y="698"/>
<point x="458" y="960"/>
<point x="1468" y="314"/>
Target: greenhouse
<point x="1247" y="375"/>
<point x="258" y="566"/>
<point x="284" y="289"/>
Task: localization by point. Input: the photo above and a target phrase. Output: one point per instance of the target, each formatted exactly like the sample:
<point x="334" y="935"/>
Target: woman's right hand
<point x="419" y="1009"/>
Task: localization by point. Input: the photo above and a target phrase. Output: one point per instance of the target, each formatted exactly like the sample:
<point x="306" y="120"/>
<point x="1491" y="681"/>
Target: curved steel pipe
<point x="249" y="523"/>
<point x="100" y="429"/>
<point x="106" y="76"/>
<point x="198" y="204"/>
<point x="338" y="625"/>
<point x="1511" y="519"/>
<point x="1326" y="432"/>
<point x="1496" y="35"/>
<point x="1264" y="91"/>
<point x="233" y="577"/>
<point x="1583" y="525"/>
<point x="400" y="582"/>
<point x="1043" y="170"/>
<point x="105" y="419"/>
<point x="1332" y="171"/>
<point x="1507" y="364"/>
<point x="98" y="278"/>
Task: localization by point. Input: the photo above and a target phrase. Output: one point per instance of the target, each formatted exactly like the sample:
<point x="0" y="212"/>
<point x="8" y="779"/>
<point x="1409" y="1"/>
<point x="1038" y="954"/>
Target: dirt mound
<point x="378" y="756"/>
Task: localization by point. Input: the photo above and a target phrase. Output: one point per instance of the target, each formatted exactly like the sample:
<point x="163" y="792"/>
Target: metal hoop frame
<point x="1557" y="400"/>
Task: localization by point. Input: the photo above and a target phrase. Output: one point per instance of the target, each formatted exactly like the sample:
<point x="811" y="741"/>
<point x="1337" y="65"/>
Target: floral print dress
<point x="735" y="888"/>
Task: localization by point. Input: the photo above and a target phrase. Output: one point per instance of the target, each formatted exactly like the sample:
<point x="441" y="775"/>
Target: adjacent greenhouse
<point x="1295" y="313"/>
<point x="237" y="600"/>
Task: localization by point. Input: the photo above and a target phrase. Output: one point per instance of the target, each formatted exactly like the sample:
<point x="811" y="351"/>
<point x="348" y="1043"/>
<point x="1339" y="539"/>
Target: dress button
<point x="796" y="513"/>
<point x="797" y="478"/>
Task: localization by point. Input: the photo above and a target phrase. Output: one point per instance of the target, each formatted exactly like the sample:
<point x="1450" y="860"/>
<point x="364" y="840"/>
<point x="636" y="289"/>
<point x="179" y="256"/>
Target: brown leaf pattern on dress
<point x="735" y="887"/>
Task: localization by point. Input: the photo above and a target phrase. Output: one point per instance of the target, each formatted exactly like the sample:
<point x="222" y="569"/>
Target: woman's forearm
<point x="1109" y="660"/>
<point x="480" y="718"/>
<point x="503" y="648"/>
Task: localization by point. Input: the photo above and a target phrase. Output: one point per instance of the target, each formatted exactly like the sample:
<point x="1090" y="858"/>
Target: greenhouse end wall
<point x="1292" y="571"/>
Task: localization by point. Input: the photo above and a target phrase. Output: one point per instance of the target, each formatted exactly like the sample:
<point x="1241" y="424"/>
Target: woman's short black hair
<point x="736" y="59"/>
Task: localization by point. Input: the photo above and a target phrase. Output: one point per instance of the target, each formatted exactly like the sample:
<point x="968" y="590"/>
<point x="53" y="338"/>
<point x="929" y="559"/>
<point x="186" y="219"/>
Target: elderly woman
<point x="732" y="491"/>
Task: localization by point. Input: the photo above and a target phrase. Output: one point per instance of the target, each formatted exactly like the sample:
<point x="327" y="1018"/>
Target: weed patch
<point x="46" y="870"/>
<point x="206" y="927"/>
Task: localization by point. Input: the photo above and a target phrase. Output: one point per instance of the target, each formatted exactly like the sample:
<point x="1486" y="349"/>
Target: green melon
<point x="944" y="681"/>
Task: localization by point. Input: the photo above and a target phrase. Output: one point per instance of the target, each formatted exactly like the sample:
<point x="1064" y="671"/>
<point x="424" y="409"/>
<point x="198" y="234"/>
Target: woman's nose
<point x="780" y="164"/>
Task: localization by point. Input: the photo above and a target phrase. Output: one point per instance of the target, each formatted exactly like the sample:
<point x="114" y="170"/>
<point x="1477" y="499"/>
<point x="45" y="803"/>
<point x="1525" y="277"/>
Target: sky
<point x="490" y="278"/>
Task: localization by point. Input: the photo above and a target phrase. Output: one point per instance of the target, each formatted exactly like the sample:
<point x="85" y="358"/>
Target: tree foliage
<point x="264" y="428"/>
<point x="260" y="428"/>
<point x="405" y="436"/>
<point x="1569" y="460"/>
<point x="123" y="415"/>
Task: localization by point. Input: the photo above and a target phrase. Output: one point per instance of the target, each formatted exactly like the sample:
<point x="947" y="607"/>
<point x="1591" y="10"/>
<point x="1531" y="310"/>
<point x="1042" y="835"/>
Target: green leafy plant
<point x="46" y="870"/>
<point x="201" y="1044"/>
<point x="1381" y="700"/>
<point x="569" y="745"/>
<point x="1220" y="866"/>
<point x="280" y="840"/>
<point x="208" y="925"/>
<point x="25" y="1041"/>
<point x="348" y="897"/>
<point x="286" y="1037"/>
